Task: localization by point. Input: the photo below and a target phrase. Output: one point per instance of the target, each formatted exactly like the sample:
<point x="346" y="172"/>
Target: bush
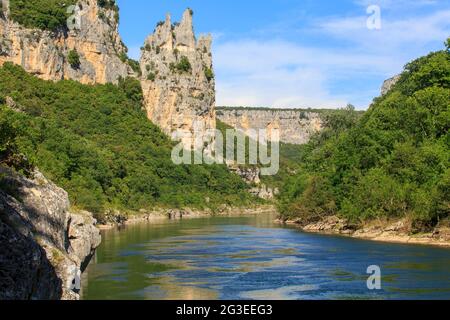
<point x="74" y="59"/>
<point x="9" y="150"/>
<point x="182" y="66"/>
<point x="132" y="89"/>
<point x="151" y="76"/>
<point x="209" y="74"/>
<point x="108" y="5"/>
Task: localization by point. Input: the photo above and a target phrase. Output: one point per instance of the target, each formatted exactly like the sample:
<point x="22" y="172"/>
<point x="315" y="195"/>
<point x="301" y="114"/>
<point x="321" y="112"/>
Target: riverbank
<point x="227" y="258"/>
<point x="380" y="230"/>
<point x="159" y="215"/>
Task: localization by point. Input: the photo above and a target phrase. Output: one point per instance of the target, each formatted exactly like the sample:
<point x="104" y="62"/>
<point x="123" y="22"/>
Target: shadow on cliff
<point x="26" y="272"/>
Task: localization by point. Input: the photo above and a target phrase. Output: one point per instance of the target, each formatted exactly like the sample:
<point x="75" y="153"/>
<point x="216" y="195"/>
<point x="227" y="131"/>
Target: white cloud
<point x="394" y="35"/>
<point x="280" y="73"/>
<point x="284" y="74"/>
<point x="397" y="4"/>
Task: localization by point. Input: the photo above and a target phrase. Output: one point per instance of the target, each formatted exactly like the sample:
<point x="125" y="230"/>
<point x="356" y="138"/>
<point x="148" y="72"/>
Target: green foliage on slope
<point x="289" y="157"/>
<point x="41" y="14"/>
<point x="96" y="142"/>
<point x="392" y="163"/>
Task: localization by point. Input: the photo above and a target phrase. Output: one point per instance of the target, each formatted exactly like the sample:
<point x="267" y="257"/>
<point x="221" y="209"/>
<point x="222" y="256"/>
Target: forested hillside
<point x="392" y="163"/>
<point x="96" y="142"/>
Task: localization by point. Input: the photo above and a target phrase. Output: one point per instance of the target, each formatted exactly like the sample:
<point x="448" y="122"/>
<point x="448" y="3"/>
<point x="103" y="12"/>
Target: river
<point x="255" y="258"/>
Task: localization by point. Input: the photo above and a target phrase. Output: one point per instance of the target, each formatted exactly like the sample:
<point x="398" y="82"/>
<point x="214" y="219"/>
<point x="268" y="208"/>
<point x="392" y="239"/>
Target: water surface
<point x="254" y="258"/>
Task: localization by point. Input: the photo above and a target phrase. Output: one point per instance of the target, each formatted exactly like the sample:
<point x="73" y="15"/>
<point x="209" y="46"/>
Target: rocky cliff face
<point x="177" y="78"/>
<point x="388" y="84"/>
<point x="43" y="246"/>
<point x="295" y="127"/>
<point x="93" y="35"/>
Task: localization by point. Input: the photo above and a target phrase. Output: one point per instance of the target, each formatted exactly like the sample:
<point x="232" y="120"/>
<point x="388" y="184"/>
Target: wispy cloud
<point x="281" y="73"/>
<point x="395" y="33"/>
<point x="278" y="73"/>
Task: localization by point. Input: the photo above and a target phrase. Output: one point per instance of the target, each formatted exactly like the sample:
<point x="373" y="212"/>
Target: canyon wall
<point x="177" y="74"/>
<point x="295" y="126"/>
<point x="93" y="34"/>
<point x="44" y="246"/>
<point x="177" y="79"/>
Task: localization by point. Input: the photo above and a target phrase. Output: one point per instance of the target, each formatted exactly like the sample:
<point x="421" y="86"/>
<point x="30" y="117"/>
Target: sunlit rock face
<point x="177" y="79"/>
<point x="389" y="84"/>
<point x="294" y="126"/>
<point x="92" y="33"/>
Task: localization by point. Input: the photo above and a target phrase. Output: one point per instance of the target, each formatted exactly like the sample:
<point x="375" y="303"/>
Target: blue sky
<point x="300" y="53"/>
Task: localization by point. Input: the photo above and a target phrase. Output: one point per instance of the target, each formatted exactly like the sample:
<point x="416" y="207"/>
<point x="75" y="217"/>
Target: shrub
<point x="209" y="74"/>
<point x="183" y="66"/>
<point x="73" y="58"/>
<point x="132" y="89"/>
<point x="108" y="5"/>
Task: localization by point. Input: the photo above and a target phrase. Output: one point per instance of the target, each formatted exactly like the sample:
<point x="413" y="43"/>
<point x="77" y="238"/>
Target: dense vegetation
<point x="95" y="142"/>
<point x="41" y="14"/>
<point x="392" y="163"/>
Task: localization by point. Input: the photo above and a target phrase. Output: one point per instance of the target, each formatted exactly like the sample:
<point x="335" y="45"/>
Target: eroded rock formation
<point x="388" y="84"/>
<point x="177" y="78"/>
<point x="43" y="245"/>
<point x="295" y="126"/>
<point x="93" y="35"/>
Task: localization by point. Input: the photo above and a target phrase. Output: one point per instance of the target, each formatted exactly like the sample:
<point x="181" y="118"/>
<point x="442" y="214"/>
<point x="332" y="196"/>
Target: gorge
<point x="86" y="140"/>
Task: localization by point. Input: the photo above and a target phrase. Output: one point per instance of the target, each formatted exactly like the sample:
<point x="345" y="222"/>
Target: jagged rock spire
<point x="178" y="95"/>
<point x="185" y="31"/>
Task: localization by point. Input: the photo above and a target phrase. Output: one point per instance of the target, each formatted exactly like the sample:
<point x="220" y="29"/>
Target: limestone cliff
<point x="93" y="35"/>
<point x="295" y="126"/>
<point x="43" y="246"/>
<point x="177" y="78"/>
<point x="388" y="84"/>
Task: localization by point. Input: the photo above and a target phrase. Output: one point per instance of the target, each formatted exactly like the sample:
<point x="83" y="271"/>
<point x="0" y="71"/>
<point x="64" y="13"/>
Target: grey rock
<point x="295" y="127"/>
<point x="40" y="237"/>
<point x="175" y="99"/>
<point x="44" y="53"/>
<point x="389" y="84"/>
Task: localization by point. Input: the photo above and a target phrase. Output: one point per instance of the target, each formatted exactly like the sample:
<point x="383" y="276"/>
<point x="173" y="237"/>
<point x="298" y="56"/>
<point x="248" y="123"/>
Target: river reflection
<point x="253" y="258"/>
